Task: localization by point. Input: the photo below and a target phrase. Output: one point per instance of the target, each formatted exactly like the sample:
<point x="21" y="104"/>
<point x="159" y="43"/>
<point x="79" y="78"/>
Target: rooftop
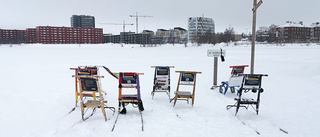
<point x="292" y="24"/>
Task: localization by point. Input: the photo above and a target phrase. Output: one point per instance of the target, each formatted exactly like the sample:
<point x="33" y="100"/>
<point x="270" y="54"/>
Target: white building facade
<point x="198" y="26"/>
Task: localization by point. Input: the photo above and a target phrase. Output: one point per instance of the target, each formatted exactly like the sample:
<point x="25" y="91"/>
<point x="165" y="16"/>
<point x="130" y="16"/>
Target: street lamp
<point x="254" y="10"/>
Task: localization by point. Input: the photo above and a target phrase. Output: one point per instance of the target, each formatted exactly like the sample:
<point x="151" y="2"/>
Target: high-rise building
<point x="82" y="21"/>
<point x="199" y="26"/>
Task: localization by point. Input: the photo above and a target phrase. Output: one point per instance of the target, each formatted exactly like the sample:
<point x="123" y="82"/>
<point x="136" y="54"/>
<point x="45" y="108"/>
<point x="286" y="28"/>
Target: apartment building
<point x="293" y="32"/>
<point x="199" y="26"/>
<point x="82" y="21"/>
<point x="68" y="35"/>
<point x="12" y="36"/>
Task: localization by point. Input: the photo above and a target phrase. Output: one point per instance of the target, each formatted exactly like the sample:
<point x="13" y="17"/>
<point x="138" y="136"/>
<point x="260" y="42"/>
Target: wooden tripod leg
<point x="94" y="96"/>
<point x="101" y="100"/>
<point x="194" y="88"/>
<point x="192" y="100"/>
<point x="103" y="111"/>
<point x="76" y="98"/>
<point x="76" y="84"/>
<point x="175" y="99"/>
<point x="176" y="96"/>
<point x="82" y="110"/>
<point x="81" y="101"/>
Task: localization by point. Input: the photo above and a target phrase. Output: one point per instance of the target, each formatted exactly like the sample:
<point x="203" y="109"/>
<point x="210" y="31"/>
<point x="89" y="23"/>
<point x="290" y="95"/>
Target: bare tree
<point x="229" y="35"/>
<point x="199" y="38"/>
<point x="171" y="38"/>
<point x="185" y="41"/>
<point x="209" y="37"/>
<point x="219" y="37"/>
<point x="272" y="33"/>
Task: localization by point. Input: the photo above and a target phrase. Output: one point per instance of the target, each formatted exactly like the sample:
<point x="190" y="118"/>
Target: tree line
<point x="264" y="34"/>
<point x="212" y="38"/>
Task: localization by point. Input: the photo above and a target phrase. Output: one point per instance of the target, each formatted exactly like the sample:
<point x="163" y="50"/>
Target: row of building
<point x="52" y="35"/>
<point x="293" y="32"/>
<point x="290" y="32"/>
<point x="83" y="31"/>
<point x="161" y="36"/>
<point x="77" y="35"/>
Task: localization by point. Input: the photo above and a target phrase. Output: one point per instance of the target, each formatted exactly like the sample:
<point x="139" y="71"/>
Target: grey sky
<point x="22" y="14"/>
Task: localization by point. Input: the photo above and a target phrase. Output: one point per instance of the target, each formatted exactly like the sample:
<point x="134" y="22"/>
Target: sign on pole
<point x="216" y="53"/>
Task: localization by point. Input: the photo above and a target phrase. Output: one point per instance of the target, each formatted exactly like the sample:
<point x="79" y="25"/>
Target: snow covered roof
<point x="162" y="30"/>
<point x="292" y="24"/>
<point x="317" y="24"/>
<point x="179" y="28"/>
<point x="300" y="24"/>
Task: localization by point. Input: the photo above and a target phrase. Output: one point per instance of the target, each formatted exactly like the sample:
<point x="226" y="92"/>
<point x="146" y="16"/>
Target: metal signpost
<point x="216" y="53"/>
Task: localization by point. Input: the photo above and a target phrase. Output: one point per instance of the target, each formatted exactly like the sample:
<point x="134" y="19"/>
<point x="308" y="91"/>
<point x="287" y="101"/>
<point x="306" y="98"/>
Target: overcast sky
<point x="167" y="14"/>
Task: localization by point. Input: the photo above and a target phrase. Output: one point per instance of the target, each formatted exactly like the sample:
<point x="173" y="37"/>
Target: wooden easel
<point x="250" y="82"/>
<point x="187" y="78"/>
<point x="83" y="71"/>
<point x="129" y="80"/>
<point x="161" y="80"/>
<point x="91" y="84"/>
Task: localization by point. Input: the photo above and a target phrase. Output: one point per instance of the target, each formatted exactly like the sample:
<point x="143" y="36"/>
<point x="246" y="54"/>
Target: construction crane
<point x="137" y="16"/>
<point x="124" y="24"/>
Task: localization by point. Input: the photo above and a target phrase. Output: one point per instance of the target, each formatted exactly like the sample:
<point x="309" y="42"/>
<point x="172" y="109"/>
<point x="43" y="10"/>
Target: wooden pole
<point x="253" y="37"/>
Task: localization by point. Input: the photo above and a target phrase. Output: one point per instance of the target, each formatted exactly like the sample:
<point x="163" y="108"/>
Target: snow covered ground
<point x="37" y="91"/>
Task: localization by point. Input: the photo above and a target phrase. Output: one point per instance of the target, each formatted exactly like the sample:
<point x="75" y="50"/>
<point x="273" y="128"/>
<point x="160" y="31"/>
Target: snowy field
<point x="37" y="91"/>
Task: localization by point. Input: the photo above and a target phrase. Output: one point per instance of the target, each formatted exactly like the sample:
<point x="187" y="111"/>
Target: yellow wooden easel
<point x="78" y="72"/>
<point x="187" y="78"/>
<point x="85" y="81"/>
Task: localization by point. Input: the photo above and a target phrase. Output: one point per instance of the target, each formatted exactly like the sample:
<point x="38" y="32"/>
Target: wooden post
<point x="254" y="9"/>
<point x="176" y="97"/>
<point x="253" y="38"/>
